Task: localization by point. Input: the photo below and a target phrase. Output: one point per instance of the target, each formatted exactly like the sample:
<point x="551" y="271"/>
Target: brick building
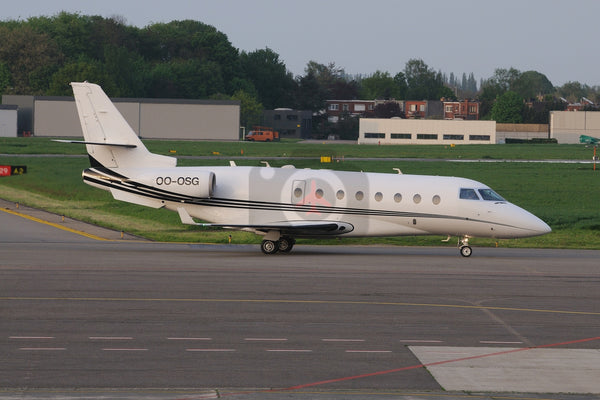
<point x="466" y="109"/>
<point x="336" y="108"/>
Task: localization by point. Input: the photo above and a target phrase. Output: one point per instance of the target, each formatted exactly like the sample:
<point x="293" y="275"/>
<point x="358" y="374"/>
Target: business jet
<point x="286" y="203"/>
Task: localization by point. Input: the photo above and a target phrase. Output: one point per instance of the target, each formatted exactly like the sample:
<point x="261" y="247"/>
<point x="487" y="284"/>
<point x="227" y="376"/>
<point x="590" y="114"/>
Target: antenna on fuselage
<point x="397" y="169"/>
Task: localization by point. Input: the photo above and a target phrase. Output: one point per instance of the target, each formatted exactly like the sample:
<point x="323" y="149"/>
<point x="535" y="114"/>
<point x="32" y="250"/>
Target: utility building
<point x="8" y="121"/>
<point x="418" y="131"/>
<point x="567" y="126"/>
<point x="289" y="123"/>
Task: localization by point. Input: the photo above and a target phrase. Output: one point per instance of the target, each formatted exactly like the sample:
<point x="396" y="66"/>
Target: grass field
<point x="293" y="148"/>
<point x="566" y="196"/>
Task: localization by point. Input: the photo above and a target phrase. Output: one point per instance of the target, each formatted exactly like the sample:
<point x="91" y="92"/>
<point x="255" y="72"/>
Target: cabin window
<point x="490" y="195"/>
<point x="436" y="199"/>
<point x="397" y="197"/>
<point x="378" y="196"/>
<point x="417" y="198"/>
<point x="360" y="195"/>
<point x="468" y="194"/>
<point x="298" y="192"/>
<point x="319" y="193"/>
<point x="340" y="194"/>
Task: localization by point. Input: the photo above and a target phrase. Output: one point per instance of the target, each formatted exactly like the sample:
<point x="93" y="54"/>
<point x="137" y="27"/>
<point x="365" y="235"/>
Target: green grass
<point x="564" y="195"/>
<point x="292" y="148"/>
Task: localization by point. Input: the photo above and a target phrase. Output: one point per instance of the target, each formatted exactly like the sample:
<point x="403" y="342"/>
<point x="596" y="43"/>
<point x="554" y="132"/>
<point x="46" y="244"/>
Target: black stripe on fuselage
<point x="108" y="179"/>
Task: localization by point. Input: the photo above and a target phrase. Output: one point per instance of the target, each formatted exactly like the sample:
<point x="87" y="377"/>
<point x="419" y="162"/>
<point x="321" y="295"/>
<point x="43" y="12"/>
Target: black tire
<point x="269" y="246"/>
<point x="286" y="244"/>
<point x="466" y="251"/>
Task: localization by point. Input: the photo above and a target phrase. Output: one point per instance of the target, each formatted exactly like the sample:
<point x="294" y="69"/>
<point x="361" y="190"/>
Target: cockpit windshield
<point x="480" y="194"/>
<point x="468" y="194"/>
<point x="490" y="195"/>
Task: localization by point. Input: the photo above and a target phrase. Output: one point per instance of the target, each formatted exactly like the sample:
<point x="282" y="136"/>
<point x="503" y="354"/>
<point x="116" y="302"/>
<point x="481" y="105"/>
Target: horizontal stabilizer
<point x="129" y="146"/>
<point x="186" y="218"/>
<point x="136" y="198"/>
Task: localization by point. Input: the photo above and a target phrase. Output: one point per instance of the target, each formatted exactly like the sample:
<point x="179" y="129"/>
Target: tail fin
<point x="109" y="139"/>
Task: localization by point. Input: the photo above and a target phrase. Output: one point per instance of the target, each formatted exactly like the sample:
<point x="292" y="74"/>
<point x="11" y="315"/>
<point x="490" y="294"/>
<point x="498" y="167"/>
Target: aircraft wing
<point x="295" y="228"/>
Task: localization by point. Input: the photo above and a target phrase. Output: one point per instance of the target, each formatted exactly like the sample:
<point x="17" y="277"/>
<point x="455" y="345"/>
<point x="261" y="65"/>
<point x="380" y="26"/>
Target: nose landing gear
<point x="464" y="248"/>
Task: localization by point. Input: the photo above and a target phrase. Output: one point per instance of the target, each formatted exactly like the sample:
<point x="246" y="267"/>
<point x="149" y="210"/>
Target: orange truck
<point x="262" y="134"/>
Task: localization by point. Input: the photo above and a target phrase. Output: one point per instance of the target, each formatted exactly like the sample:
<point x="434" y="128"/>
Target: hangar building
<point x="149" y="118"/>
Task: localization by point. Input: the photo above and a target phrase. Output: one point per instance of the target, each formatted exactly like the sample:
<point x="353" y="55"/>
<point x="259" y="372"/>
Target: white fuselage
<point x="375" y="204"/>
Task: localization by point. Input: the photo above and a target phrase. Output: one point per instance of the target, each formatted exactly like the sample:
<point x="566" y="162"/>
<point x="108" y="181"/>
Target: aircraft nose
<point x="532" y="225"/>
<point x="540" y="227"/>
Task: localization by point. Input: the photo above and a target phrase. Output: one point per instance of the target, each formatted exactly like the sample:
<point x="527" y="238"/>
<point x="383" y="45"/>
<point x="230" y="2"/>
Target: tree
<point x="331" y="80"/>
<point x="504" y="78"/>
<point x="5" y="77"/>
<point x="30" y="56"/>
<point x="539" y="111"/>
<point x="573" y="91"/>
<point x="310" y="95"/>
<point x="189" y="40"/>
<point x="326" y="75"/>
<point x="489" y="93"/>
<point x="71" y="33"/>
<point x="508" y="108"/>
<point x="250" y="108"/>
<point x="275" y="85"/>
<point x="424" y="83"/>
<point x="401" y="85"/>
<point x="187" y="79"/>
<point x="127" y="69"/>
<point x="388" y="109"/>
<point x="347" y="127"/>
<point x="380" y="85"/>
<point x="343" y="89"/>
<point x="90" y="70"/>
<point x="494" y="87"/>
<point x="532" y="84"/>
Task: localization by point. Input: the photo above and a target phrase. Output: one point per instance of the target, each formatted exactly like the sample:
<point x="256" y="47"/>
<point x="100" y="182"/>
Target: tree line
<point x="192" y="60"/>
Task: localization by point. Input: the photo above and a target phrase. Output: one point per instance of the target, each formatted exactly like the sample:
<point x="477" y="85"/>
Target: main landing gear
<point x="284" y="245"/>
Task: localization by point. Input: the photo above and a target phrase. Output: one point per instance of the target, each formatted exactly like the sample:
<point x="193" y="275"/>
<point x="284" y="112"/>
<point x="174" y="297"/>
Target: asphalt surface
<point x="82" y="317"/>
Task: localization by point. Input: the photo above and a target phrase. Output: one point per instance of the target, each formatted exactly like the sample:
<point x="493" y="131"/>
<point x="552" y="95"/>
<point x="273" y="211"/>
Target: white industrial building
<point x="422" y="131"/>
<point x="567" y="126"/>
<point x="8" y="121"/>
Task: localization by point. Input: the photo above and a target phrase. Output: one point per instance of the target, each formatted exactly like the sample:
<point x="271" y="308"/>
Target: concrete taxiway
<point x="84" y="317"/>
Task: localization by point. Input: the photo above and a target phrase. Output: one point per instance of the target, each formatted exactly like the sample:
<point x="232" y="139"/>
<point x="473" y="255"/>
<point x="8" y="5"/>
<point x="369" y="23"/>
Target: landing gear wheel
<point x="466" y="251"/>
<point x="269" y="246"/>
<point x="286" y="244"/>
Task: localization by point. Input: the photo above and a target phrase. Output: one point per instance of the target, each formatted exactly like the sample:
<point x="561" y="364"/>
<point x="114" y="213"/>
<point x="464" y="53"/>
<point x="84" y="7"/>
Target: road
<point x="78" y="312"/>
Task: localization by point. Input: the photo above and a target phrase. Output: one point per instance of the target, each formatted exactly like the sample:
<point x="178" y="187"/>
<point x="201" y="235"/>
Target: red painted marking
<point x="411" y="367"/>
<point x="348" y="378"/>
<point x="311" y="199"/>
